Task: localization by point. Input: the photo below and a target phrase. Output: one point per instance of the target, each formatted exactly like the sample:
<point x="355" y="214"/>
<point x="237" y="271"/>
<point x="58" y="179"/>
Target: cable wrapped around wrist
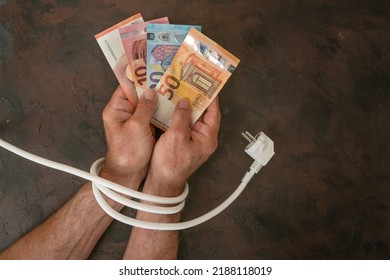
<point x="97" y="188"/>
<point x="99" y="184"/>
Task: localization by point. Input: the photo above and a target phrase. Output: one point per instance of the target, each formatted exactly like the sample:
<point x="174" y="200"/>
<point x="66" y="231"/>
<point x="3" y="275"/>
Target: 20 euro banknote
<point x="163" y="41"/>
<point x="134" y="42"/>
<point x="110" y="43"/>
<point x="198" y="72"/>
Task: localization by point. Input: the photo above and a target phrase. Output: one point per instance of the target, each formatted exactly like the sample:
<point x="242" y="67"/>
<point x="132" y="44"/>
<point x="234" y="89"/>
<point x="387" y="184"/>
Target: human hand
<point x="129" y="138"/>
<point x="180" y="151"/>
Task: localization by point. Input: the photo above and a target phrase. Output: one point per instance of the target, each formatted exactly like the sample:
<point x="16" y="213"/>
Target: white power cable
<point x="93" y="178"/>
<point x="95" y="169"/>
<point x="262" y="152"/>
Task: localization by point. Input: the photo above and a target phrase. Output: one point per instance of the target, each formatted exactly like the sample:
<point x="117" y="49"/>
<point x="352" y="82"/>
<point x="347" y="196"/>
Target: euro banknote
<point x="110" y="42"/>
<point x="134" y="42"/>
<point x="198" y="72"/>
<point x="163" y="41"/>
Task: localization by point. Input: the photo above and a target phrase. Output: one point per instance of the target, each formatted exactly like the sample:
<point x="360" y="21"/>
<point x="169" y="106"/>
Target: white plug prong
<point x="260" y="148"/>
<point x="246" y="137"/>
<point x="253" y="138"/>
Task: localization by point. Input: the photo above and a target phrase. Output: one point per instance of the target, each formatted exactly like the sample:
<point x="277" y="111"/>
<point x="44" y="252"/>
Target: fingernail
<point x="184" y="104"/>
<point x="149" y="94"/>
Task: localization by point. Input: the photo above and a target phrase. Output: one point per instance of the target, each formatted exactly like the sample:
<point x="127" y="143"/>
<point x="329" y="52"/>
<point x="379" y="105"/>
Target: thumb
<point x="181" y="118"/>
<point x="145" y="107"/>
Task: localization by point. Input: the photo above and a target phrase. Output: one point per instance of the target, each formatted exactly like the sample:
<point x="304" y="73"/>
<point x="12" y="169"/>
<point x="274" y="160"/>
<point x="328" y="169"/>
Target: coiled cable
<point x="113" y="191"/>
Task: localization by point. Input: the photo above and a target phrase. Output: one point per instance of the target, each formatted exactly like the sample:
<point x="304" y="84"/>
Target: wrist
<point x="130" y="180"/>
<point x="163" y="187"/>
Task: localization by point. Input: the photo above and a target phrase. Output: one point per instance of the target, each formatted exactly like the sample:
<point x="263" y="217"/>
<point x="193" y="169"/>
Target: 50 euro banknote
<point x="163" y="41"/>
<point x="110" y="43"/>
<point x="198" y="72"/>
<point x="134" y="42"/>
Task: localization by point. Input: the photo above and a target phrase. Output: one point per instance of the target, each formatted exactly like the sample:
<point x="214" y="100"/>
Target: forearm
<point x="70" y="233"/>
<point x="145" y="244"/>
<point x="176" y="155"/>
<point x="155" y="244"/>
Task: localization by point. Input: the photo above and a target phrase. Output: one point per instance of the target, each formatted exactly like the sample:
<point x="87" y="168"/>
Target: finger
<point x="119" y="92"/>
<point x="153" y="130"/>
<point x="207" y="131"/>
<point x="145" y="107"/>
<point x="211" y="119"/>
<point x="119" y="101"/>
<point x="118" y="108"/>
<point x="181" y="118"/>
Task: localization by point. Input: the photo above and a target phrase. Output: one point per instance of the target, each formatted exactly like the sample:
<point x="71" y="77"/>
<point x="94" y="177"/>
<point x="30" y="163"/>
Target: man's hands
<point x="177" y="154"/>
<point x="129" y="136"/>
<point x="181" y="150"/>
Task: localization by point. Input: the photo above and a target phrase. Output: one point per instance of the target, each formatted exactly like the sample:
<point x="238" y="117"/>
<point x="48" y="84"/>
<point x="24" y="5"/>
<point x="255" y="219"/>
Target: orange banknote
<point x="198" y="72"/>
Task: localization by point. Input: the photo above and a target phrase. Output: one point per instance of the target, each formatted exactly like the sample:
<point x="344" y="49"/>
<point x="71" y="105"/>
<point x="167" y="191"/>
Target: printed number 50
<point x="168" y="86"/>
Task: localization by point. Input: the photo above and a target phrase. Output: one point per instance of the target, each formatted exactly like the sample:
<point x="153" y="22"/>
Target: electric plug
<point x="260" y="147"/>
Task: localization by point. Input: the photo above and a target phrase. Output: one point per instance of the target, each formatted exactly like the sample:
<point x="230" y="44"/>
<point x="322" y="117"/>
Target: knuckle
<point x="215" y="146"/>
<point x="179" y="135"/>
<point x="181" y="117"/>
<point x="144" y="105"/>
<point x="212" y="147"/>
<point x="105" y="114"/>
<point x="134" y="125"/>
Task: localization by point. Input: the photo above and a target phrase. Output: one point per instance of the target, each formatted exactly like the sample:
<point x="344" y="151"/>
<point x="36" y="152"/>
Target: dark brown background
<point x="314" y="76"/>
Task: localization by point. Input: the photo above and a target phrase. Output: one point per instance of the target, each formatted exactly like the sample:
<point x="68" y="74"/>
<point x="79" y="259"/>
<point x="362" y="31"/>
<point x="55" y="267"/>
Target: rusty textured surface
<point x="314" y="75"/>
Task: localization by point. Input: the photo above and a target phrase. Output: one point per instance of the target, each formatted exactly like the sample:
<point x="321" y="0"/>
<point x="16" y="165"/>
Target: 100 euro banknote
<point x="134" y="42"/>
<point x="163" y="41"/>
<point x="110" y="42"/>
<point x="198" y="72"/>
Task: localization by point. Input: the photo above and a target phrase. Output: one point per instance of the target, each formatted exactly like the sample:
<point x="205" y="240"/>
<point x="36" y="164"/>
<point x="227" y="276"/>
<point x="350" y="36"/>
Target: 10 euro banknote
<point x="110" y="43"/>
<point x="134" y="41"/>
<point x="163" y="41"/>
<point x="198" y="72"/>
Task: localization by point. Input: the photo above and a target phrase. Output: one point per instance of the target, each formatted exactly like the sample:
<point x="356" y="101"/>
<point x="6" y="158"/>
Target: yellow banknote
<point x="198" y="72"/>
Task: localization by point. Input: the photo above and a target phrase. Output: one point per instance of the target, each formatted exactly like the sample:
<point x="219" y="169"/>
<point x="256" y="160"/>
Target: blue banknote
<point x="163" y="41"/>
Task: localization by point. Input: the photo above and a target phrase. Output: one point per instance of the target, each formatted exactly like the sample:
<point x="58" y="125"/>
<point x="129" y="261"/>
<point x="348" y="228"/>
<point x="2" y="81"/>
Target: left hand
<point x="181" y="150"/>
<point x="129" y="136"/>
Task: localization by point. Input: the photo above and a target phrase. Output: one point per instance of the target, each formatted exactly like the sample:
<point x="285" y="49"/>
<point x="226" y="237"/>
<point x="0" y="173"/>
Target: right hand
<point x="130" y="139"/>
<point x="180" y="151"/>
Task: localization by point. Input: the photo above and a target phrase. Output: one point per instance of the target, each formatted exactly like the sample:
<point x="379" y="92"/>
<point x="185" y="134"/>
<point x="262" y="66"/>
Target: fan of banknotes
<point x="178" y="61"/>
